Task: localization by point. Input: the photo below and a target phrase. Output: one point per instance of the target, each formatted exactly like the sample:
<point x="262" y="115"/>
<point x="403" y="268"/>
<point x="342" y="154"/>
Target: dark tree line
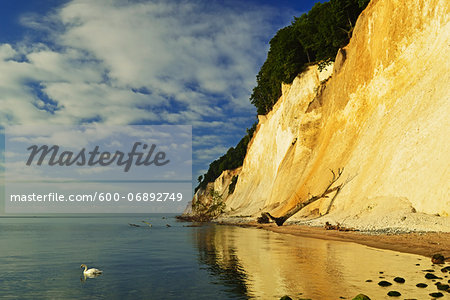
<point x="233" y="159"/>
<point x="314" y="37"/>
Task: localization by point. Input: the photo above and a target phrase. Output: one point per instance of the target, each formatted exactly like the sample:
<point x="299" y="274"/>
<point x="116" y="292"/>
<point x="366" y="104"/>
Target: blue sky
<point x="121" y="62"/>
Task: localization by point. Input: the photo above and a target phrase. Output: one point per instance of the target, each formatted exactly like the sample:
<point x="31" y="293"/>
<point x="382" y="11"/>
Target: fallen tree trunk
<point x="265" y="216"/>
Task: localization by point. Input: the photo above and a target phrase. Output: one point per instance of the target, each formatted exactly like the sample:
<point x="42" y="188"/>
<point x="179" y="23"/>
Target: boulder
<point x="384" y="283"/>
<point x="438" y="259"/>
<point x="431" y="276"/>
<point x="394" y="294"/>
<point x="399" y="280"/>
<point x="442" y="287"/>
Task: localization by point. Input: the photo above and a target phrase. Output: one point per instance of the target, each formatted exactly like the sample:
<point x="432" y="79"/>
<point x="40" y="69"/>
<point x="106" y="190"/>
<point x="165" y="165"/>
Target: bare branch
<point x="328" y="190"/>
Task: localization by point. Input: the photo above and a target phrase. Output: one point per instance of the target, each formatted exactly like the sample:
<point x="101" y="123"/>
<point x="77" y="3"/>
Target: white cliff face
<point x="286" y="130"/>
<point x="220" y="186"/>
<point x="382" y="116"/>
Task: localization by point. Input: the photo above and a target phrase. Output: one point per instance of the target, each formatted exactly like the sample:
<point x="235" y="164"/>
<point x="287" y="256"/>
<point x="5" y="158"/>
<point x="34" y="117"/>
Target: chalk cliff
<point x="220" y="185"/>
<point x="381" y="113"/>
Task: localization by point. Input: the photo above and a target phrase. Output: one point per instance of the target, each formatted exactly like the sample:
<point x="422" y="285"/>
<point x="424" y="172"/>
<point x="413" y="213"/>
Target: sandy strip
<point x="425" y="244"/>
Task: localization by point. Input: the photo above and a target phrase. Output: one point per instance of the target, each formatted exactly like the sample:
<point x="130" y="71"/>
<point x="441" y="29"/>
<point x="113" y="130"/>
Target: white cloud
<point x="210" y="154"/>
<point x="9" y="154"/>
<point x="124" y="62"/>
<point x="204" y="57"/>
<point x="204" y="140"/>
<point x="7" y="52"/>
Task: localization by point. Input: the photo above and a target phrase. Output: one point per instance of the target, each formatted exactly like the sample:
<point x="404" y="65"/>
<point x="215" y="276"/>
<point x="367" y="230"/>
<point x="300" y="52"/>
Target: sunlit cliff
<point x="380" y="113"/>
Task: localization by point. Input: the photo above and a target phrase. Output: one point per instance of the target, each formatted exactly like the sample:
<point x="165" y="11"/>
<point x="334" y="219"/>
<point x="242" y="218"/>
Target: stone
<point x="361" y="297"/>
<point x="445" y="269"/>
<point x="442" y="287"/>
<point x="394" y="294"/>
<point x="399" y="280"/>
<point x="437" y="295"/>
<point x="431" y="276"/>
<point x="384" y="283"/>
<point x="422" y="285"/>
<point x="438" y="259"/>
<point x="286" y="297"/>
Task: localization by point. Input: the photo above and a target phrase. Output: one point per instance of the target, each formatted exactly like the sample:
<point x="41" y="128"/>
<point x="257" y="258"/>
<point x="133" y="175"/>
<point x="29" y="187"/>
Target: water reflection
<point x="87" y="276"/>
<point x="266" y="265"/>
<point x="224" y="266"/>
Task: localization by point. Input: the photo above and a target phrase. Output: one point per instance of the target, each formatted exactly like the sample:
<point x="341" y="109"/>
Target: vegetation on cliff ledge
<point x="233" y="159"/>
<point x="205" y="211"/>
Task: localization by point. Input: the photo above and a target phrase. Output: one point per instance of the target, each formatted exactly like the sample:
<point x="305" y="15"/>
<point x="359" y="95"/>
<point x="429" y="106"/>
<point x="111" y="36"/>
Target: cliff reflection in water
<point x="260" y="264"/>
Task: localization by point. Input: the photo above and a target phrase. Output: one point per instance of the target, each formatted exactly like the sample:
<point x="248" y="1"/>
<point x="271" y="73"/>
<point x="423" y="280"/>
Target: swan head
<point x="83" y="266"/>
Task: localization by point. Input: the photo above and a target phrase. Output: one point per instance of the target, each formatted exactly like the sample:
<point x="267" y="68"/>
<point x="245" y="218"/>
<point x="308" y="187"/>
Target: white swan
<point x="90" y="273"/>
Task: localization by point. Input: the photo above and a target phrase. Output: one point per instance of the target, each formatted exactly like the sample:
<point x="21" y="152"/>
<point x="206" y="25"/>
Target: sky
<point x="137" y="62"/>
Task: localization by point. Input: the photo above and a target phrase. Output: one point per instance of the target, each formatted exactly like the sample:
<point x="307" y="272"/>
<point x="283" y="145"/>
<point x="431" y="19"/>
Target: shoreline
<point x="421" y="243"/>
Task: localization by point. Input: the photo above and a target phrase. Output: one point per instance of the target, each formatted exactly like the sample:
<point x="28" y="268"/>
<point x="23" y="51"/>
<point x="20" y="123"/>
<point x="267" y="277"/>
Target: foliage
<point x="285" y="60"/>
<point x="233" y="159"/>
<point x="363" y="3"/>
<point x="217" y="206"/>
<point x="206" y="211"/>
<point x="232" y="185"/>
<point x="312" y="37"/>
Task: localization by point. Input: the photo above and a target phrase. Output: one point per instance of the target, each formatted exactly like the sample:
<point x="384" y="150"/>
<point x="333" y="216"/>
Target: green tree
<point x="285" y="60"/>
<point x="312" y="37"/>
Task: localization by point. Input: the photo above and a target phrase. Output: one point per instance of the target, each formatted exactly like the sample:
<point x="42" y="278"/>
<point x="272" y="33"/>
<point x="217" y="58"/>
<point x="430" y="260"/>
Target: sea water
<point x="40" y="258"/>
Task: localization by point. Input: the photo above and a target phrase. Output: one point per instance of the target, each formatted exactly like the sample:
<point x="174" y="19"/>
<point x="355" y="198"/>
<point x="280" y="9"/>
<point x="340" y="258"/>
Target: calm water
<point x="40" y="259"/>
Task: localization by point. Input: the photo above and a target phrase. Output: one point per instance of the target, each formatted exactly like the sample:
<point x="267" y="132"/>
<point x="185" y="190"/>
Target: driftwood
<point x="265" y="216"/>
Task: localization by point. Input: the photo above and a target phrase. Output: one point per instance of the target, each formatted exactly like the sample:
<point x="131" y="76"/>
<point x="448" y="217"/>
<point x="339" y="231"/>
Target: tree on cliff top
<point x="285" y="60"/>
<point x="314" y="37"/>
